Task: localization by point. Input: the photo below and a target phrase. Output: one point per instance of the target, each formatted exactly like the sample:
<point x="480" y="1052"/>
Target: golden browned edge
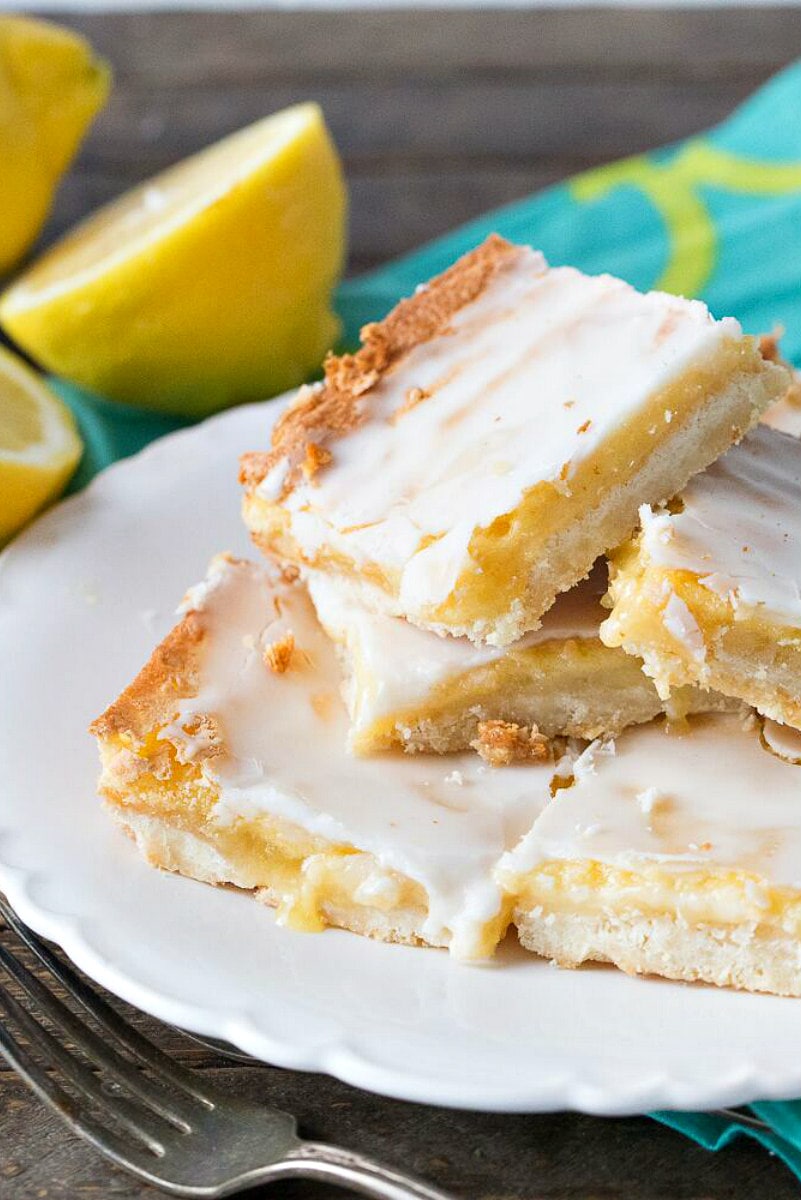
<point x="332" y="409"/>
<point x="170" y="674"/>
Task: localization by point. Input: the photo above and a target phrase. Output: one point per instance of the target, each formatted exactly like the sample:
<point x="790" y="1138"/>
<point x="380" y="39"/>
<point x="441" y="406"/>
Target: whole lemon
<point x="51" y="86"/>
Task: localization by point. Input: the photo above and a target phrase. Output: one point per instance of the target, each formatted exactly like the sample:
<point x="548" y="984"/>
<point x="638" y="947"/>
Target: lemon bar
<point x="225" y="759"/>
<point x="709" y="593"/>
<point x="494" y="436"/>
<point x="405" y="687"/>
<point x="671" y="854"/>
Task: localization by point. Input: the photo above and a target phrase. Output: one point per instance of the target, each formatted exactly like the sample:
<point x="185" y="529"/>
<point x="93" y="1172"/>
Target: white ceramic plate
<point x="84" y="595"/>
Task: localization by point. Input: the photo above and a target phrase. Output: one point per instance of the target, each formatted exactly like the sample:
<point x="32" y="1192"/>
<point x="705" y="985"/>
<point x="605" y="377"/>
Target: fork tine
<point x="51" y="1091"/>
<point x="111" y="1022"/>
<point x="169" y="1106"/>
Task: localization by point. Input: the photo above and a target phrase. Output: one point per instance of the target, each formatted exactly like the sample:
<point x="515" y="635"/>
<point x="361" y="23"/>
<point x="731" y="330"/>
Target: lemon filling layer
<point x="501" y="555"/>
<point x="715" y="898"/>
<point x="709" y="591"/>
<point x="510" y="548"/>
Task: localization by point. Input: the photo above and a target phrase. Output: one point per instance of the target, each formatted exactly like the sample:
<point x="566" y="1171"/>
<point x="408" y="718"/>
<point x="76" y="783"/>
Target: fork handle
<point x="316" y="1160"/>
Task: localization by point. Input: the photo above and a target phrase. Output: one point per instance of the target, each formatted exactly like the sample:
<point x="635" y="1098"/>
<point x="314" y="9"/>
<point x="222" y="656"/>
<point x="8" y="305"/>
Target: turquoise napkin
<point x="718" y="216"/>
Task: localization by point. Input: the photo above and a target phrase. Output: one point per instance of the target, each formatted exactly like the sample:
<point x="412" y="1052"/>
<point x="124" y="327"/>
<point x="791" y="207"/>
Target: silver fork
<point x="152" y="1117"/>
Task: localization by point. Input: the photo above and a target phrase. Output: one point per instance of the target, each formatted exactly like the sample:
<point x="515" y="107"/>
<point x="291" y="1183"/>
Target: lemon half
<point x="39" y="444"/>
<point x="207" y="286"/>
<point x="51" y="86"/>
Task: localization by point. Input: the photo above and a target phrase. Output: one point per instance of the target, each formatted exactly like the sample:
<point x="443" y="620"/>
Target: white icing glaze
<point x="284" y="753"/>
<point x="680" y="622"/>
<point x="405" y="664"/>
<point x="530" y="378"/>
<point x="708" y="797"/>
<point x="740" y="527"/>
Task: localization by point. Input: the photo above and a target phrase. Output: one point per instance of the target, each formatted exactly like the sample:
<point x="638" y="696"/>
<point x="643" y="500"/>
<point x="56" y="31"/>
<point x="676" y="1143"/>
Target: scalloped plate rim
<point x="571" y="1087"/>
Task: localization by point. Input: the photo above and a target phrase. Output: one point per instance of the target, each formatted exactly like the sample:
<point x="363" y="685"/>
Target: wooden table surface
<point x="438" y="117"/>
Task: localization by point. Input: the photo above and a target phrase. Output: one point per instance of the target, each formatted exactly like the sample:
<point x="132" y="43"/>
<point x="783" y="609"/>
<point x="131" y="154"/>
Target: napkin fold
<point x="717" y="216"/>
<point x="779" y="1132"/>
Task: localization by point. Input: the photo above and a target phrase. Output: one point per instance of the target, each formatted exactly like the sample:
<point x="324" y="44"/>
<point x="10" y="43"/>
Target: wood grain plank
<point x="146" y="127"/>
<point x="223" y="47"/>
<point x="480" y="1156"/>
<point x="419" y="160"/>
<point x="439" y="117"/>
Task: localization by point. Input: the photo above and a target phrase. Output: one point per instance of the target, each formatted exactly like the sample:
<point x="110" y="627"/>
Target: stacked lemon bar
<point x="384" y="725"/>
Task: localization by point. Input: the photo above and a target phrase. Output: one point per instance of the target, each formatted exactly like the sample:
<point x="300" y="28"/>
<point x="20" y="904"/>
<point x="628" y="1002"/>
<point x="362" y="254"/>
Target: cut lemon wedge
<point x="51" y="87"/>
<point x="39" y="444"/>
<point x="209" y="285"/>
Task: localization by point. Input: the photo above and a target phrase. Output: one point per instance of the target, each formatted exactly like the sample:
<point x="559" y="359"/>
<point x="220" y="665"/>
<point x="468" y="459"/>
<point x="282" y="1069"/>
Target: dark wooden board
<point x="439" y="116"/>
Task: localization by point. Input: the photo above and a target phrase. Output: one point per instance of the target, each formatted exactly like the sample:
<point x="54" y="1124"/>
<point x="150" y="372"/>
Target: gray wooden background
<point x="438" y="117"/>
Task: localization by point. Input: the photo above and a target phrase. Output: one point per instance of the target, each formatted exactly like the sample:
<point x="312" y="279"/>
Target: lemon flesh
<point x="207" y="286"/>
<point x="39" y="444"/>
<point x="51" y="87"/>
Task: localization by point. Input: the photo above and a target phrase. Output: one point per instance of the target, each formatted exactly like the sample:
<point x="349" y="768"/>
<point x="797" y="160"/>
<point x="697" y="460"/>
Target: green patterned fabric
<point x="718" y="216"/>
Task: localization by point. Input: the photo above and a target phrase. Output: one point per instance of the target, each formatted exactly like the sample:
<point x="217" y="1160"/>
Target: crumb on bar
<point x="414" y="396"/>
<point x="316" y="457"/>
<point x="278" y="654"/>
<point x="206" y="737"/>
<point x="501" y="743"/>
<point x="253" y="466"/>
<point x="769" y="346"/>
